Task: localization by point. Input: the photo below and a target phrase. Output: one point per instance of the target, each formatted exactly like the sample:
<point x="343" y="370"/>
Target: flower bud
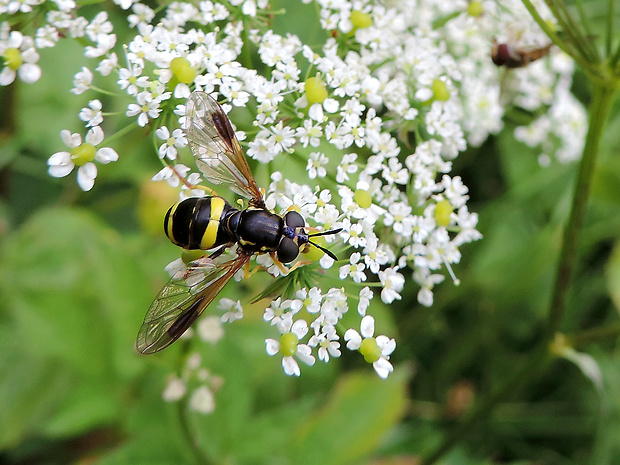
<point x="315" y="90"/>
<point x="370" y="350"/>
<point x="360" y="20"/>
<point x="443" y="210"/>
<point x="83" y="154"/>
<point x="288" y="344"/>
<point x="13" y="58"/>
<point x="363" y="198"/>
<point x="475" y="9"/>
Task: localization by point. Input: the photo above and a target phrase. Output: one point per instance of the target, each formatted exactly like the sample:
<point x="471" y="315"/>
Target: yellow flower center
<point x="475" y="9"/>
<point x="363" y="198"/>
<point x="83" y="154"/>
<point x="370" y="350"/>
<point x="360" y="20"/>
<point x="288" y="344"/>
<point x="13" y="58"/>
<point x="440" y="90"/>
<point x="443" y="209"/>
<point x="315" y="90"/>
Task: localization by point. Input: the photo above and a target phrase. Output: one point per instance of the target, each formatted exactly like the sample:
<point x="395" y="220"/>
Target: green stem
<point x="186" y="431"/>
<point x="547" y="29"/>
<point x="121" y="132"/>
<point x="573" y="31"/>
<point x="602" y="334"/>
<point x="599" y="109"/>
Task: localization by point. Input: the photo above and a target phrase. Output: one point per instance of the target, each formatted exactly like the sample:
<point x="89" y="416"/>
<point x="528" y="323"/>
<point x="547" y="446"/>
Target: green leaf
<point x="73" y="299"/>
<point x="30" y="388"/>
<point x="352" y="422"/>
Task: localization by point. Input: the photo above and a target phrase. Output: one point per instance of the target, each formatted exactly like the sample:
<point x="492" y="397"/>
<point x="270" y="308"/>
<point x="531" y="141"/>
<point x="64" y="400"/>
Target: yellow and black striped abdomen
<point x="195" y="223"/>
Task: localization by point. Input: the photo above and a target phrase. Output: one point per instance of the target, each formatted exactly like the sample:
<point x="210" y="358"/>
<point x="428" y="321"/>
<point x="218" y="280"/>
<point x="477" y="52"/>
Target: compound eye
<point x="287" y="250"/>
<point x="294" y="220"/>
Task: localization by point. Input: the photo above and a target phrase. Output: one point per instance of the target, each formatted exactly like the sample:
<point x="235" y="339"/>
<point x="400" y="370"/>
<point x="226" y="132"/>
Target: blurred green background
<point x="78" y="271"/>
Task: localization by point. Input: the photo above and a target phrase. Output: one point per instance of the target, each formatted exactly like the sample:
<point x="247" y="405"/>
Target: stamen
<point x="455" y="280"/>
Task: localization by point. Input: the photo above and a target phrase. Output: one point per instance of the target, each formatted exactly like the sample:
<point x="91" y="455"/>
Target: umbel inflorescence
<point x="377" y="112"/>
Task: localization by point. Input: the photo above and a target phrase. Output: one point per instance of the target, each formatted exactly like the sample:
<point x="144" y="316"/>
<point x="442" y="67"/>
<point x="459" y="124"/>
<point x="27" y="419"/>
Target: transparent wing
<point x="216" y="148"/>
<point x="183" y="300"/>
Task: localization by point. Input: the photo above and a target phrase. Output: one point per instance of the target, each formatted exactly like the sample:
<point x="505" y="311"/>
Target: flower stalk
<point x="600" y="106"/>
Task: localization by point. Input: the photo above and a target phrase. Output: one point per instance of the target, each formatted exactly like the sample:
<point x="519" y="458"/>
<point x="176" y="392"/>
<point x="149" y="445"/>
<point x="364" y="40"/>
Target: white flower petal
<point x="60" y="170"/>
<point x="86" y="176"/>
<point x="272" y="346"/>
<point x="60" y="158"/>
<point x="95" y="135"/>
<point x="331" y="105"/>
<point x="70" y="140"/>
<point x="424" y="94"/>
<point x="15" y="39"/>
<point x="176" y="268"/>
<point x="383" y="367"/>
<point x="210" y="329"/>
<point x="300" y="328"/>
<point x="29" y="73"/>
<point x="587" y="364"/>
<point x="7" y="76"/>
<point x="315" y="112"/>
<point x="60" y="164"/>
<point x="353" y="338"/>
<point x="367" y="327"/>
<point x="290" y="366"/>
<point x="304" y="353"/>
<point x="106" y="155"/>
<point x="163" y="133"/>
<point x="386" y="344"/>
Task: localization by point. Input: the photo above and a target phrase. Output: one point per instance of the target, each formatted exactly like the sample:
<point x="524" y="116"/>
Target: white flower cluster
<point x="326" y="310"/>
<point x="541" y="88"/>
<point x="387" y="102"/>
<point x="197" y="379"/>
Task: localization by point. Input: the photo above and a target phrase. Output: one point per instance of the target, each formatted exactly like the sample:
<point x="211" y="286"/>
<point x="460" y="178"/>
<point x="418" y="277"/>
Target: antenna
<point x="323" y="249"/>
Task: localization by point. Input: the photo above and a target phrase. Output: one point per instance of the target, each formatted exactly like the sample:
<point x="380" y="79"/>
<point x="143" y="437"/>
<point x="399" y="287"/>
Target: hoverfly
<point x="510" y="56"/>
<point x="211" y="223"/>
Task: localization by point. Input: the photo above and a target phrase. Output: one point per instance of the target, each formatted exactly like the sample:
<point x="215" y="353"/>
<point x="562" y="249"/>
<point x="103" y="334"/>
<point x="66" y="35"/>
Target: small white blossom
<point x="209" y="328"/>
<point x="202" y="399"/>
<point x="171" y="175"/>
<point x="327" y="342"/>
<point x="20" y="58"/>
<point x="316" y="165"/>
<point x="175" y="389"/>
<point x="366" y="296"/>
<point x="82" y="81"/>
<point x="82" y="154"/>
<point x="392" y="282"/>
<point x="92" y="115"/>
<point x="376" y="350"/>
<point x="289" y="346"/>
<point x="172" y="142"/>
<point x="233" y="310"/>
<point x="355" y="269"/>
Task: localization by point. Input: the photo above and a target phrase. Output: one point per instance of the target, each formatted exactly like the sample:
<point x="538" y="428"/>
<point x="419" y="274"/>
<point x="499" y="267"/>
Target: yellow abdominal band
<point x="210" y="236"/>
